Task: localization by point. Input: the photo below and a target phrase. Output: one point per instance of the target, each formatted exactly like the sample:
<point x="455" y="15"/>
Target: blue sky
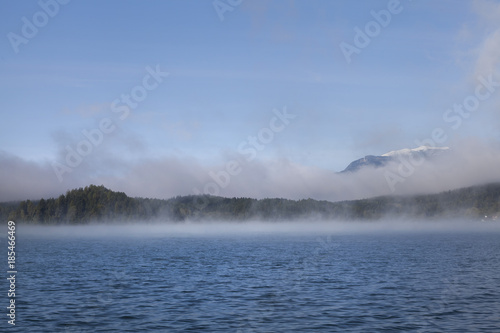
<point x="225" y="79"/>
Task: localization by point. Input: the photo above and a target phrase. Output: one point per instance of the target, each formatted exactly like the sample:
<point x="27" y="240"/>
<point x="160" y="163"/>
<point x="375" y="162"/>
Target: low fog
<point x="255" y="228"/>
<point x="469" y="163"/>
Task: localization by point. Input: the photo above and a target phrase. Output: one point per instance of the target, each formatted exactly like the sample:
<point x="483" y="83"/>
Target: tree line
<point x="99" y="204"/>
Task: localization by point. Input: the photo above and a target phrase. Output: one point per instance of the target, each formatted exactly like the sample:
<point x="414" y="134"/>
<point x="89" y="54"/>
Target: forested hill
<point x="99" y="204"/>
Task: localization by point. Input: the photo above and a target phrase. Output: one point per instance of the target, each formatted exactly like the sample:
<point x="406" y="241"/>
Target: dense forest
<point x="99" y="204"/>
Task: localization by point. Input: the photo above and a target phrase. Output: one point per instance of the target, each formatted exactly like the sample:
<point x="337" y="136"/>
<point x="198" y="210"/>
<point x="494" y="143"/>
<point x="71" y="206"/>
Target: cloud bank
<point x="471" y="162"/>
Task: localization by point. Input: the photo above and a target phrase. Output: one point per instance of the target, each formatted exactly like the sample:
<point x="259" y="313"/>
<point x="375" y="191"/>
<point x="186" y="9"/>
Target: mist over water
<point x="254" y="228"/>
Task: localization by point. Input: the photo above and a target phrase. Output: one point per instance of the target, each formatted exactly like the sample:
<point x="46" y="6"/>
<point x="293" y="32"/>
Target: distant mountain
<point x="99" y="204"/>
<point x="369" y="160"/>
<point x="425" y="152"/>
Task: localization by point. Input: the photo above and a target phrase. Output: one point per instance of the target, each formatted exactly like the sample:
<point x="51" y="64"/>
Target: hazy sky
<point x="161" y="98"/>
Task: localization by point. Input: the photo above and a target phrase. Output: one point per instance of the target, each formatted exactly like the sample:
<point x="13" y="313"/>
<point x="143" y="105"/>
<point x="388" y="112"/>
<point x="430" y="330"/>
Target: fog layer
<point x="469" y="163"/>
<point x="255" y="228"/>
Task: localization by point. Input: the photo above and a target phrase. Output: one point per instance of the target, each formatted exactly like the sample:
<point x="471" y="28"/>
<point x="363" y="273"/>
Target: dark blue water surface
<point x="257" y="282"/>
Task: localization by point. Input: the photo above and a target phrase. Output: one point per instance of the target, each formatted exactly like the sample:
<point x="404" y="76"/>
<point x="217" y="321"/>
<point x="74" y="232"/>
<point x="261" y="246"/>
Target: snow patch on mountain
<point x="426" y="152"/>
<point x="422" y="149"/>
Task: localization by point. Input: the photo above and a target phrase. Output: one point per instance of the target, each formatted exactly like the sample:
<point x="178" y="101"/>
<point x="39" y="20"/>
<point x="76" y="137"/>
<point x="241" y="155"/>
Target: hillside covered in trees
<point x="99" y="204"/>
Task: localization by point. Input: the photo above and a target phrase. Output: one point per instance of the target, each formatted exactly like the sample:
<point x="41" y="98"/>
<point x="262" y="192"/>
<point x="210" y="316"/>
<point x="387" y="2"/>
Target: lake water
<point x="149" y="279"/>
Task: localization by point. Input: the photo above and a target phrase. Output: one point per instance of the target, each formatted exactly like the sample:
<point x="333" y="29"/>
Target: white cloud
<point x="473" y="162"/>
<point x="488" y="60"/>
<point x="488" y="52"/>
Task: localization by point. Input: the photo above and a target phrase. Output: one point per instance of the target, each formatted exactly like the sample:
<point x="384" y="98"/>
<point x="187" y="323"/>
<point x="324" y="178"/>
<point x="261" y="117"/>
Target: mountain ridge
<point x="377" y="161"/>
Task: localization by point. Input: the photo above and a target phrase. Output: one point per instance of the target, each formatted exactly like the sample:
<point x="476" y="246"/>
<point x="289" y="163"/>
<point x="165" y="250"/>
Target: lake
<point x="256" y="278"/>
